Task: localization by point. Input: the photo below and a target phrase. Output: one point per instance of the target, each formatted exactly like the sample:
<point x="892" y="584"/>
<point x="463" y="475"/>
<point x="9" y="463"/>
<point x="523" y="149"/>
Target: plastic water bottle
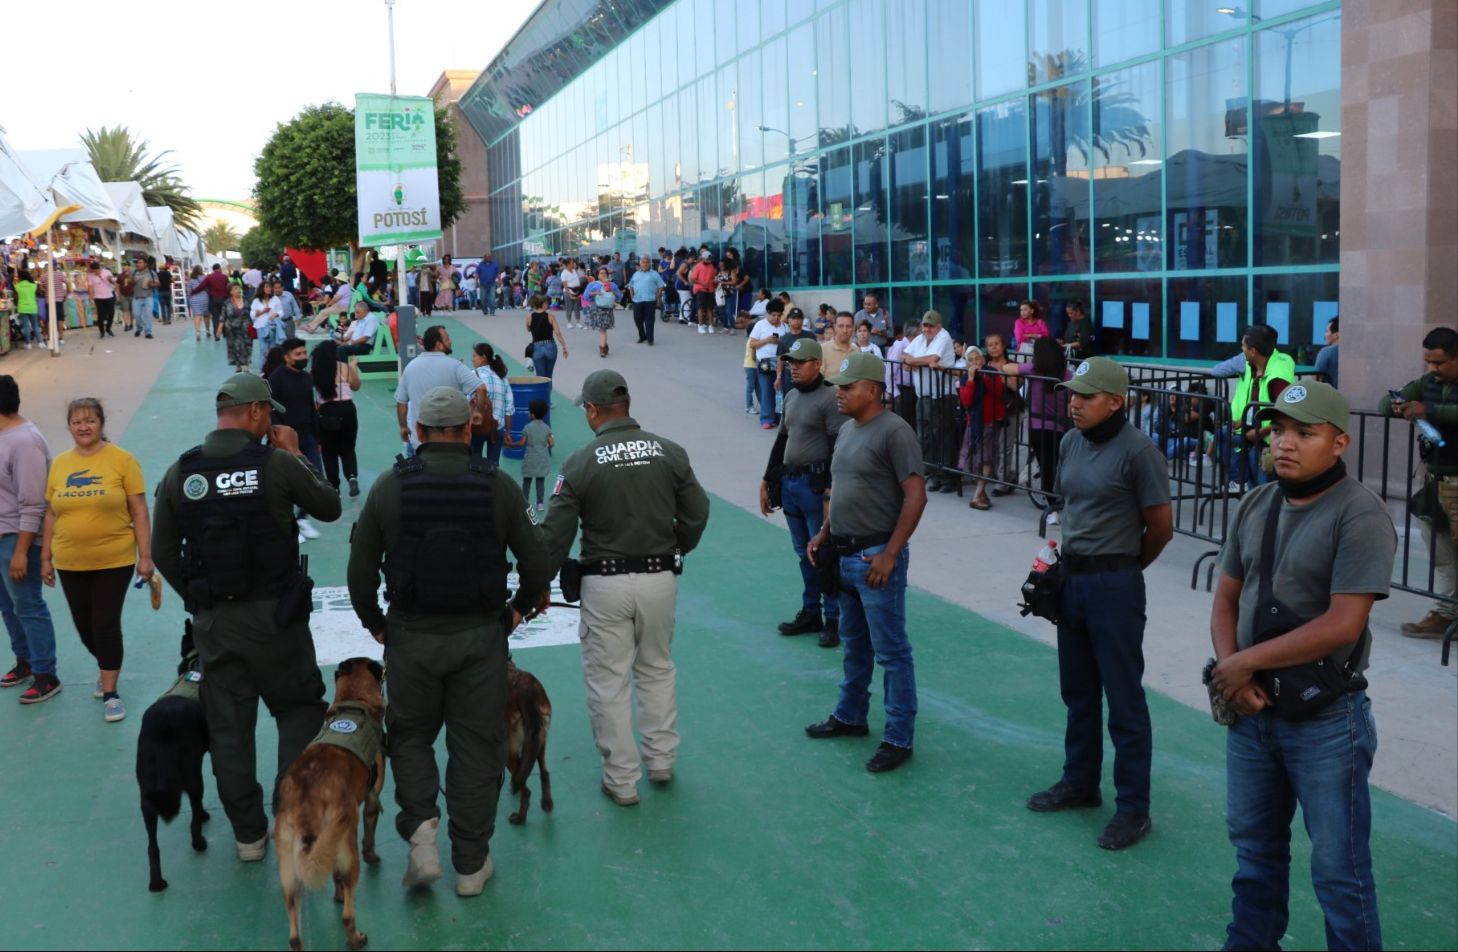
<point x="1431" y="432"/>
<point x="1047" y="557"/>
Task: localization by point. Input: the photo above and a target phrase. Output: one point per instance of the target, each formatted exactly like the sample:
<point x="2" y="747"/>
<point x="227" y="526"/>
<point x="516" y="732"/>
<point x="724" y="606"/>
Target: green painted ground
<point x="765" y="840"/>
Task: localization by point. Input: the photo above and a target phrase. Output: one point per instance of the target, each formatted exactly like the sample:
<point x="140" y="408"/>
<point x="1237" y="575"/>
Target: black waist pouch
<point x="570" y="580"/>
<point x="827" y="568"/>
<point x="1043" y="594"/>
<point x="296" y="601"/>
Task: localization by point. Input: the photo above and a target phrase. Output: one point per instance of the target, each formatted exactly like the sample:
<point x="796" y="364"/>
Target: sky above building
<point x="211" y="81"/>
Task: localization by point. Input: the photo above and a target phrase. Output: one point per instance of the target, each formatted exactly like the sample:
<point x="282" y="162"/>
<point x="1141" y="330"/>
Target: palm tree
<point x="118" y="157"/>
<point x="220" y="237"/>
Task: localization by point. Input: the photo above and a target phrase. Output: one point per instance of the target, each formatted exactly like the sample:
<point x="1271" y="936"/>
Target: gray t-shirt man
<point x="423" y="374"/>
<point x="811" y="423"/>
<point x="871" y="460"/>
<point x="1340" y="544"/>
<point x="1106" y="488"/>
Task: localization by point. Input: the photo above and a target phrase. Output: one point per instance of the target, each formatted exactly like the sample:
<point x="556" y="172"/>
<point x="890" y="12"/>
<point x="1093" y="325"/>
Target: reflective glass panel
<point x="1058" y="39"/>
<point x="837" y="197"/>
<point x="773" y="116"/>
<point x="770" y="216"/>
<point x="1205" y="169"/>
<point x="1128" y="170"/>
<point x="958" y="307"/>
<point x="1002" y="47"/>
<point x="749" y="109"/>
<point x="1298" y="306"/>
<point x="751" y="229"/>
<point x="726" y="32"/>
<point x="906" y="61"/>
<point x="1002" y="189"/>
<point x="907" y="305"/>
<point x="1061" y="145"/>
<point x="709" y="119"/>
<point x="1187" y="20"/>
<point x="953" y="235"/>
<point x="801" y="206"/>
<point x="1128" y="317"/>
<point x="1206" y="317"/>
<point x="998" y="309"/>
<point x="866" y="54"/>
<point x="910" y="242"/>
<point x="802" y="89"/>
<point x="747" y="17"/>
<point x="726" y="109"/>
<point x="699" y="32"/>
<point x="1297" y="154"/>
<point x="949" y="53"/>
<point x="872" y="211"/>
<point x="832" y="43"/>
<point x="688" y="136"/>
<point x="772" y="17"/>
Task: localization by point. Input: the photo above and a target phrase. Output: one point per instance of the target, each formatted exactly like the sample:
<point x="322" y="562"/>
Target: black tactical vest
<point x="231" y="546"/>
<point x="446" y="560"/>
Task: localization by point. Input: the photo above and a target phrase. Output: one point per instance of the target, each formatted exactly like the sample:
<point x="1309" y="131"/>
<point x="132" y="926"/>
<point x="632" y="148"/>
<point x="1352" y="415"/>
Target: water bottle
<point x="1431" y="433"/>
<point x="1047" y="557"/>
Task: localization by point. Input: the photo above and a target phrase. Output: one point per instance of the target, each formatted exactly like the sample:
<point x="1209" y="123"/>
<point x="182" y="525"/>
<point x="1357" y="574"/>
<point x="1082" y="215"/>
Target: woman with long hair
<point x="601" y="297"/>
<point x="1047" y="408"/>
<point x="334" y="387"/>
<point x="547" y="337"/>
<point x="445" y="294"/>
<point x="197" y="303"/>
<point x="236" y="322"/>
<point x="492" y="371"/>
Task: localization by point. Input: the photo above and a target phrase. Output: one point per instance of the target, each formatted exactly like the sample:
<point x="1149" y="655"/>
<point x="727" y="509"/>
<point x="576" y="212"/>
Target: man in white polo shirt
<point x="435" y="367"/>
<point x="930" y="352"/>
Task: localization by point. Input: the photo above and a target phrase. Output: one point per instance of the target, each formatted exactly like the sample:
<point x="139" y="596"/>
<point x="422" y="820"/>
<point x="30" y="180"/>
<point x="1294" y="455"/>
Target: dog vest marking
<point x="189" y="683"/>
<point x="350" y="726"/>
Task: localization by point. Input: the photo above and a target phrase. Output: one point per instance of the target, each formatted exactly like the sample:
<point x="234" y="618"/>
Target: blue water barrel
<point x="524" y="390"/>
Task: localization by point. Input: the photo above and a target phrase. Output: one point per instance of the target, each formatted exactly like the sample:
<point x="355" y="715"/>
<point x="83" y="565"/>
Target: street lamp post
<point x="400" y="248"/>
<point x="764" y="128"/>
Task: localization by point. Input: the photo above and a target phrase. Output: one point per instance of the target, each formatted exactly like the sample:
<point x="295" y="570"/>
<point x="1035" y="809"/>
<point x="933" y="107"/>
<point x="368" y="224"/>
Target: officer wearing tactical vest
<point x="642" y="510"/>
<point x="224" y="537"/>
<point x="799" y="468"/>
<point x="440" y="524"/>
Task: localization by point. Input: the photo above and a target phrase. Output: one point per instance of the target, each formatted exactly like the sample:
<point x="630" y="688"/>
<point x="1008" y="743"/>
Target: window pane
<point x="748" y="110"/>
<point x="832" y="40"/>
<point x="747" y="14"/>
<point x="699" y="33"/>
<point x="688" y="138"/>
<point x="998" y="306"/>
<point x="838" y="205"/>
<point x="772" y="17"/>
<point x="906" y="61"/>
<point x="770" y="216"/>
<point x="653" y="64"/>
<point x="907" y="305"/>
<point x="1298" y="142"/>
<point x="1188" y="20"/>
<point x="1206" y="169"/>
<point x="802" y="224"/>
<point x="1060" y="179"/>
<point x="1298" y="306"/>
<point x="725" y="107"/>
<point x="710" y="214"/>
<point x="773" y="114"/>
<point x="726" y="32"/>
<point x="1129" y="149"/>
<point x="867" y="60"/>
<point x="1123" y="29"/>
<point x="949" y="44"/>
<point x="910" y="250"/>
<point x="708" y="128"/>
<point x="797" y="10"/>
<point x="872" y="212"/>
<point x="1002" y="190"/>
<point x="1206" y="317"/>
<point x="958" y="308"/>
<point x="954" y="248"/>
<point x="1128" y="317"/>
<point x="1002" y="44"/>
<point x="1058" y="39"/>
<point x="801" y="87"/>
<point x="679" y="42"/>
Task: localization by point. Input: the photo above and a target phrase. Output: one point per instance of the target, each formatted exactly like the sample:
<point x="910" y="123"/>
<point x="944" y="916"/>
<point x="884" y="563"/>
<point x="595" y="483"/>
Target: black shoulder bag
<point x="1043" y="593"/>
<point x="1303" y="691"/>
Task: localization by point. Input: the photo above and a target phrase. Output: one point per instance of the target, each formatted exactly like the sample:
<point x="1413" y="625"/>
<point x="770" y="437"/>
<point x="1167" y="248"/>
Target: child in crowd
<point x="536" y="436"/>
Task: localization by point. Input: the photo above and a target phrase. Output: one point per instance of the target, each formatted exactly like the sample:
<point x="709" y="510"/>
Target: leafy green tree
<point x="220" y="237"/>
<point x="305" y="186"/>
<point x="119" y="157"/>
<point x="260" y="248"/>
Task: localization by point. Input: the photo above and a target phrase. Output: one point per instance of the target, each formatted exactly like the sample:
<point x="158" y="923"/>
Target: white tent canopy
<point x="132" y="207"/>
<point x="162" y="225"/>
<point x="24" y="205"/>
<point x="70" y="177"/>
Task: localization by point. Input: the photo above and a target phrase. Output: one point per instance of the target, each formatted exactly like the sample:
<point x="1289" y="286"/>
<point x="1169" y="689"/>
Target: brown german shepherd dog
<point x="528" y="718"/>
<point x="318" y="807"/>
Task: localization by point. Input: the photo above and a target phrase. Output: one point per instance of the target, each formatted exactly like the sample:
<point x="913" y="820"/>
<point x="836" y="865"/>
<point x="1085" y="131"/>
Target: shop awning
<point x="166" y="232"/>
<point x="132" y="207"/>
<point x="24" y="205"/>
<point x="71" y="179"/>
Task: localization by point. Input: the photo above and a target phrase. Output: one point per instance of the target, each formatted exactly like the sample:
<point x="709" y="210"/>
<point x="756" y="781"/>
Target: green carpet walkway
<point x="765" y="840"/>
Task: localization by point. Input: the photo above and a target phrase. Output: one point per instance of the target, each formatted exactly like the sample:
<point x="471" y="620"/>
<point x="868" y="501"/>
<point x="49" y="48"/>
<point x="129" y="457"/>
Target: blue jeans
<point x="1101" y="654"/>
<point x="765" y="384"/>
<point x="492" y="447"/>
<point x="751" y="387"/>
<point x="30" y="328"/>
<point x="27" y="619"/>
<point x="805" y="512"/>
<point x="1271" y="765"/>
<point x="873" y="628"/>
<point x="1174" y="446"/>
<point x="544" y="357"/>
<point x="309" y="447"/>
<point x="142" y="313"/>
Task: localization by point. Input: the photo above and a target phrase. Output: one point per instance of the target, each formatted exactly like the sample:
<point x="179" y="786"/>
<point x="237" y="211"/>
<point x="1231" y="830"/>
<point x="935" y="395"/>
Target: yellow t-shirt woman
<point x="89" y="497"/>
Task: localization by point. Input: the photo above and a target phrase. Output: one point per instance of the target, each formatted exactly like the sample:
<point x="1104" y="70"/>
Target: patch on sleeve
<point x="532" y="514"/>
<point x="557" y="487"/>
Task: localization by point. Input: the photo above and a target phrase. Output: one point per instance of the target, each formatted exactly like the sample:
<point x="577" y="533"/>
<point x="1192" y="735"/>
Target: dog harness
<point x="189" y="682"/>
<point x="349" y="725"/>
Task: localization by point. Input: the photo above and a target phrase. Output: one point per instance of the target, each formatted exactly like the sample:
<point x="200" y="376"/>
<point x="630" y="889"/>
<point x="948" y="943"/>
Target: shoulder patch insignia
<point x="195" y="486"/>
<point x="557" y="487"/>
<point x="343" y="727"/>
<point x="532" y="514"/>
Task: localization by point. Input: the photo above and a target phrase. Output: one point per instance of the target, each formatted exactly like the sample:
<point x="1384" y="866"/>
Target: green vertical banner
<point x="394" y="159"/>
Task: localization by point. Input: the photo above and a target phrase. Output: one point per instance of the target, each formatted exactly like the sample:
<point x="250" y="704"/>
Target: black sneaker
<point x="834" y="727"/>
<point x="42" y="688"/>
<point x="804" y="623"/>
<point x="1124" y="830"/>
<point x="17" y="675"/>
<point x="353" y="486"/>
<point x="830" y="637"/>
<point x="888" y="757"/>
<point x="1063" y="796"/>
<point x="1003" y="490"/>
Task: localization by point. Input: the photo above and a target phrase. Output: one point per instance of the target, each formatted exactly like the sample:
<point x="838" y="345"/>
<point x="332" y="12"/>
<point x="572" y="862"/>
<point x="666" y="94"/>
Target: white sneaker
<point x="114" y="710"/>
<point x="1233" y="488"/>
<point x="252" y="852"/>
<point x="711" y="329"/>
<point x="1053" y="518"/>
<point x="424" y="866"/>
<point x="473" y="884"/>
<point x="307" y="530"/>
<point x="98" y="693"/>
<point x="701" y="330"/>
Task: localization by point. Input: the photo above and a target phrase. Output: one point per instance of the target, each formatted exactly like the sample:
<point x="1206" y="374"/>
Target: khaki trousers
<point x="627" y="639"/>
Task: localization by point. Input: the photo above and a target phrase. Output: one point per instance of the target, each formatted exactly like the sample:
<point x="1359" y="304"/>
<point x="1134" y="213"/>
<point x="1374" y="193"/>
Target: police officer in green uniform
<point x="642" y="510"/>
<point x="224" y="537"/>
<point x="439" y="526"/>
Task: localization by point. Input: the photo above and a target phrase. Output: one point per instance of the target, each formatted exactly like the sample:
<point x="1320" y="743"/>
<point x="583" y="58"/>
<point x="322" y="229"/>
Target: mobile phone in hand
<point x="1396" y="396"/>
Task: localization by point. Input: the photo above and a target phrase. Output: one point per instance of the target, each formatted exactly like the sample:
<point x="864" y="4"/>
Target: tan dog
<point x="319" y="798"/>
<point x="528" y="718"/>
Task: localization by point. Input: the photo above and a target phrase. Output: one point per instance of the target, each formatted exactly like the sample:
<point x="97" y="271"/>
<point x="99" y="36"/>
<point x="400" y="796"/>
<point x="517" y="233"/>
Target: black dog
<point x="170" y="750"/>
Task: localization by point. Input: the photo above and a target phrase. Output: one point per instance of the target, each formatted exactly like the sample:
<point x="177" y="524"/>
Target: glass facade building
<point x="1176" y="163"/>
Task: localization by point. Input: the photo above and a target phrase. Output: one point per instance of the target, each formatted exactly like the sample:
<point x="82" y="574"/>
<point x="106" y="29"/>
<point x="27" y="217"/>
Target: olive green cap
<point x="859" y="366"/>
<point x="603" y="388"/>
<point x="932" y="317"/>
<point x="805" y="349"/>
<point x="240" y="390"/>
<point x="443" y="406"/>
<point x="1098" y="375"/>
<point x="1310" y="402"/>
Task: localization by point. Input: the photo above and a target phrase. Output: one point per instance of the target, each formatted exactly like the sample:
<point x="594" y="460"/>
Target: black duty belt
<point x="809" y="469"/>
<point x="647" y="564"/>
<point x="847" y="545"/>
<point x="1087" y="564"/>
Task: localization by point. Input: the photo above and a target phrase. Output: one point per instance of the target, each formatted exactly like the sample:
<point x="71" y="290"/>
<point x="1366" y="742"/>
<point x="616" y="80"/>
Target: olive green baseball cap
<point x="603" y="388"/>
<point x="1098" y="375"/>
<point x="859" y="366"/>
<point x="1310" y="402"/>
<point x="805" y="348"/>
<point x="443" y="406"/>
<point x="931" y="317"/>
<point x="240" y="390"/>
